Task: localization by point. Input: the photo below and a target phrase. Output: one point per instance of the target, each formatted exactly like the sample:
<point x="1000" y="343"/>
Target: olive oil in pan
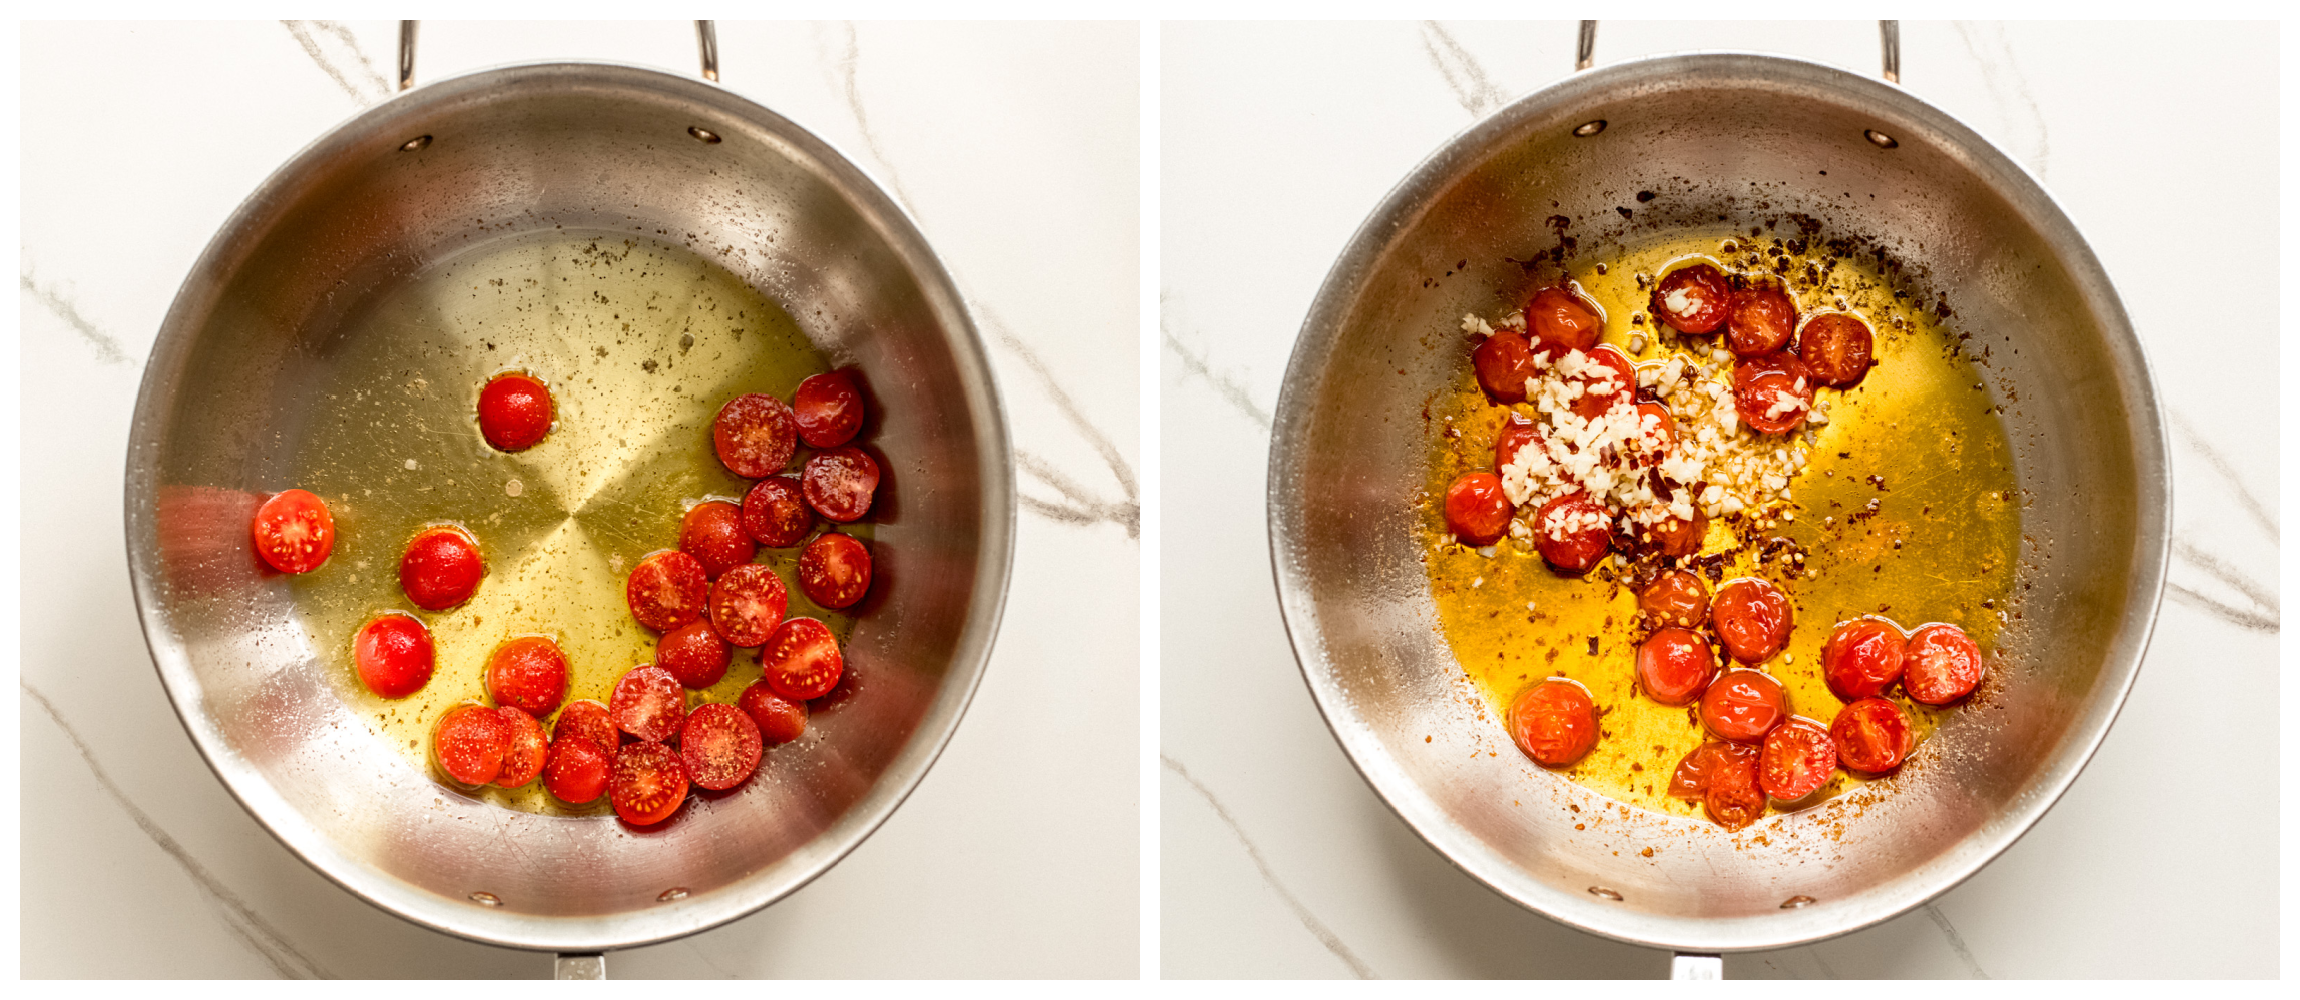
<point x="641" y="343"/>
<point x="1908" y="510"/>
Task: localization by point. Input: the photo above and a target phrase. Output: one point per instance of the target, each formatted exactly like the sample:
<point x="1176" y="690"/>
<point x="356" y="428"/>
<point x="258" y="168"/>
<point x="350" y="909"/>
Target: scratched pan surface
<point x="1743" y="137"/>
<point x="242" y="391"/>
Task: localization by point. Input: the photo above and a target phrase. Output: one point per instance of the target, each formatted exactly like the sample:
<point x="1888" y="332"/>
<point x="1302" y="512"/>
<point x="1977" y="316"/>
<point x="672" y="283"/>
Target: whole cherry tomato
<point x="1607" y="380"/>
<point x="1863" y="658"/>
<point x="775" y="512"/>
<point x="1657" y="427"/>
<point x="747" y="603"/>
<point x="667" y="589"/>
<point x="1872" y="736"/>
<point x="1517" y="431"/>
<point x="755" y="435"/>
<point x="1560" y="320"/>
<point x="294" y="532"/>
<point x="1773" y="394"/>
<point x="1676" y="598"/>
<point x="1693" y="298"/>
<point x="528" y="673"/>
<point x="719" y="746"/>
<point x="1838" y="348"/>
<point x="1679" y="536"/>
<point x="1752" y="618"/>
<point x="1674" y="666"/>
<point x="441" y="567"/>
<point x="648" y="783"/>
<point x="1572" y="532"/>
<point x="1503" y="363"/>
<point x="394" y="654"/>
<point x="834" y="570"/>
<point x="648" y="703"/>
<point x="840" y="483"/>
<point x="1798" y="757"/>
<point x="469" y="743"/>
<point x="713" y="533"/>
<point x="801" y="660"/>
<point x="1743" y="705"/>
<point x="514" y="411"/>
<point x="524" y="756"/>
<point x="829" y="409"/>
<point x="1476" y="509"/>
<point x="694" y="654"/>
<point x="1943" y="664"/>
<point x="577" y="770"/>
<point x="1733" y="799"/>
<point x="1554" y="722"/>
<point x="780" y="720"/>
<point x="1760" y="320"/>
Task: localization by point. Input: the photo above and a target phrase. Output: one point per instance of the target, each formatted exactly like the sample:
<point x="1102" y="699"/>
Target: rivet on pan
<point x="673" y="894"/>
<point x="486" y="898"/>
<point x="1882" y="140"/>
<point x="414" y="144"/>
<point x="1797" y="902"/>
<point x="702" y="133"/>
<point x="1587" y="129"/>
<point x="1600" y="891"/>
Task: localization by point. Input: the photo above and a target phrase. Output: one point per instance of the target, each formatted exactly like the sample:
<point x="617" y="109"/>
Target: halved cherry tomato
<point x="747" y="603"/>
<point x="780" y="720"/>
<point x="1691" y="779"/>
<point x="586" y="720"/>
<point x="514" y="411"/>
<point x="1676" y="598"/>
<point x="1693" y="298"/>
<point x="1678" y="536"/>
<point x="834" y="570"/>
<point x="1862" y="658"/>
<point x="1752" y="617"/>
<point x="1674" y="666"/>
<point x="694" y="654"/>
<point x="528" y="673"/>
<point x="469" y="743"/>
<point x="1797" y="759"/>
<point x="719" y="745"/>
<point x="1476" y="509"/>
<point x="577" y="770"/>
<point x="648" y="703"/>
<point x="1657" y="427"/>
<point x="775" y="512"/>
<point x="1872" y="736"/>
<point x="1773" y="394"/>
<point x="1560" y="320"/>
<point x="1517" y="431"/>
<point x="829" y="409"/>
<point x="667" y="589"/>
<point x="1607" y="380"/>
<point x="441" y="567"/>
<point x="1504" y="362"/>
<point x="294" y="531"/>
<point x="1743" y="705"/>
<point x="1943" y="664"/>
<point x="1837" y="347"/>
<point x="394" y="654"/>
<point x="839" y="483"/>
<point x="801" y="660"/>
<point x="648" y="783"/>
<point x="1554" y="722"/>
<point x="1733" y="799"/>
<point x="755" y="435"/>
<point x="1760" y="320"/>
<point x="713" y="533"/>
<point x="1572" y="532"/>
<point x="523" y="757"/>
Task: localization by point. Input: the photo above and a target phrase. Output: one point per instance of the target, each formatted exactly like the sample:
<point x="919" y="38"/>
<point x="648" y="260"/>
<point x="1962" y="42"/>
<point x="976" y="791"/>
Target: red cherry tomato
<point x="469" y="743"/>
<point x="839" y="483"/>
<point x="648" y="784"/>
<point x="1797" y="759"/>
<point x="834" y="570"/>
<point x="694" y="654"/>
<point x="528" y="673"/>
<point x="775" y="513"/>
<point x="1743" y="705"/>
<point x="1675" y="598"/>
<point x="1554" y="722"/>
<point x="294" y="532"/>
<point x="1691" y="779"/>
<point x="801" y="660"/>
<point x="1476" y="509"/>
<point x="1608" y="380"/>
<point x="577" y="770"/>
<point x="1572" y="532"/>
<point x="394" y="654"/>
<point x="747" y="603"/>
<point x="755" y="435"/>
<point x="1657" y="427"/>
<point x="1674" y="666"/>
<point x="1760" y="320"/>
<point x="719" y="745"/>
<point x="1837" y="347"/>
<point x="1773" y="394"/>
<point x="1677" y="536"/>
<point x="1504" y="362"/>
<point x="1733" y="799"/>
<point x="514" y="411"/>
<point x="1560" y="320"/>
<point x="586" y="720"/>
<point x="1517" y="431"/>
<point x="524" y="756"/>
<point x="1752" y="617"/>
<point x="1872" y="736"/>
<point x="1693" y="299"/>
<point x="829" y="409"/>
<point x="667" y="589"/>
<point x="441" y="567"/>
<point x="648" y="703"/>
<point x="713" y="533"/>
<point x="780" y="720"/>
<point x="1862" y="659"/>
<point x="1943" y="665"/>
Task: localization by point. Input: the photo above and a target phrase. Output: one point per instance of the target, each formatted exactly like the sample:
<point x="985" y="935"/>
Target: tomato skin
<point x="1871" y="735"/>
<point x="648" y="703"/>
<point x="1760" y="320"/>
<point x="1798" y="757"/>
<point x="1743" y="705"/>
<point x="1677" y="597"/>
<point x="1504" y="362"/>
<point x="528" y="673"/>
<point x="1752" y="618"/>
<point x="523" y="758"/>
<point x="1691" y="778"/>
<point x="1693" y="299"/>
<point x="1943" y="664"/>
<point x="1560" y="320"/>
<point x="514" y="411"/>
<point x="1554" y="722"/>
<point x="694" y="654"/>
<point x="586" y="720"/>
<point x="667" y="589"/>
<point x="1838" y="348"/>
<point x="1657" y="427"/>
<point x="1674" y="666"/>
<point x="713" y="533"/>
<point x="755" y="435"/>
<point x="394" y="654"/>
<point x="1476" y="509"/>
<point x="1517" y="431"/>
<point x="1862" y="658"/>
<point x="294" y="532"/>
<point x="776" y="514"/>
<point x="441" y="567"/>
<point x="801" y="660"/>
<point x="834" y="570"/>
<point x="1677" y="536"/>
<point x="1773" y="380"/>
<point x="747" y="603"/>
<point x="469" y="743"/>
<point x="840" y="483"/>
<point x="1573" y="533"/>
<point x="828" y="408"/>
<point x="577" y="770"/>
<point x="780" y="720"/>
<point x="1608" y="381"/>
<point x="648" y="783"/>
<point x="1733" y="799"/>
<point x="719" y="746"/>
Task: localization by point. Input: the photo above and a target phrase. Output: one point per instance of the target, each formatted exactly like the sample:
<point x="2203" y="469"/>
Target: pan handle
<point x="706" y="38"/>
<point x="1683" y="965"/>
<point x="592" y="965"/>
<point x="1585" y="49"/>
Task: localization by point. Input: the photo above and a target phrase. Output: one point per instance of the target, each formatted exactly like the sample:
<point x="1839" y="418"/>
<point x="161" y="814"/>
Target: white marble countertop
<point x="1278" y="860"/>
<point x="1017" y="855"/>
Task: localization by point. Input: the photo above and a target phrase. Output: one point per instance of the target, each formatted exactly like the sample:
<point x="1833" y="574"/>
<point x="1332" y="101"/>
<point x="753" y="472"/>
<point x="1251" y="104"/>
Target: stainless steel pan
<point x="1744" y="137"/>
<point x="568" y="144"/>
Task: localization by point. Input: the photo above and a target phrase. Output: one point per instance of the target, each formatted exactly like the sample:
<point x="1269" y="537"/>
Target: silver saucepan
<point x="1738" y="138"/>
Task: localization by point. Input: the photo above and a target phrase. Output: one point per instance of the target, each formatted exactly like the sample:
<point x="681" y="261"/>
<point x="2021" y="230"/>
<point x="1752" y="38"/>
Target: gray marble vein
<point x="259" y="935"/>
<point x="1956" y="940"/>
<point x="106" y="346"/>
<point x="1310" y="921"/>
<point x="1463" y="75"/>
<point x="327" y="43"/>
<point x="2261" y="514"/>
<point x="848" y="61"/>
<point x="1231" y="389"/>
<point x="2240" y="617"/>
<point x="2006" y="84"/>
